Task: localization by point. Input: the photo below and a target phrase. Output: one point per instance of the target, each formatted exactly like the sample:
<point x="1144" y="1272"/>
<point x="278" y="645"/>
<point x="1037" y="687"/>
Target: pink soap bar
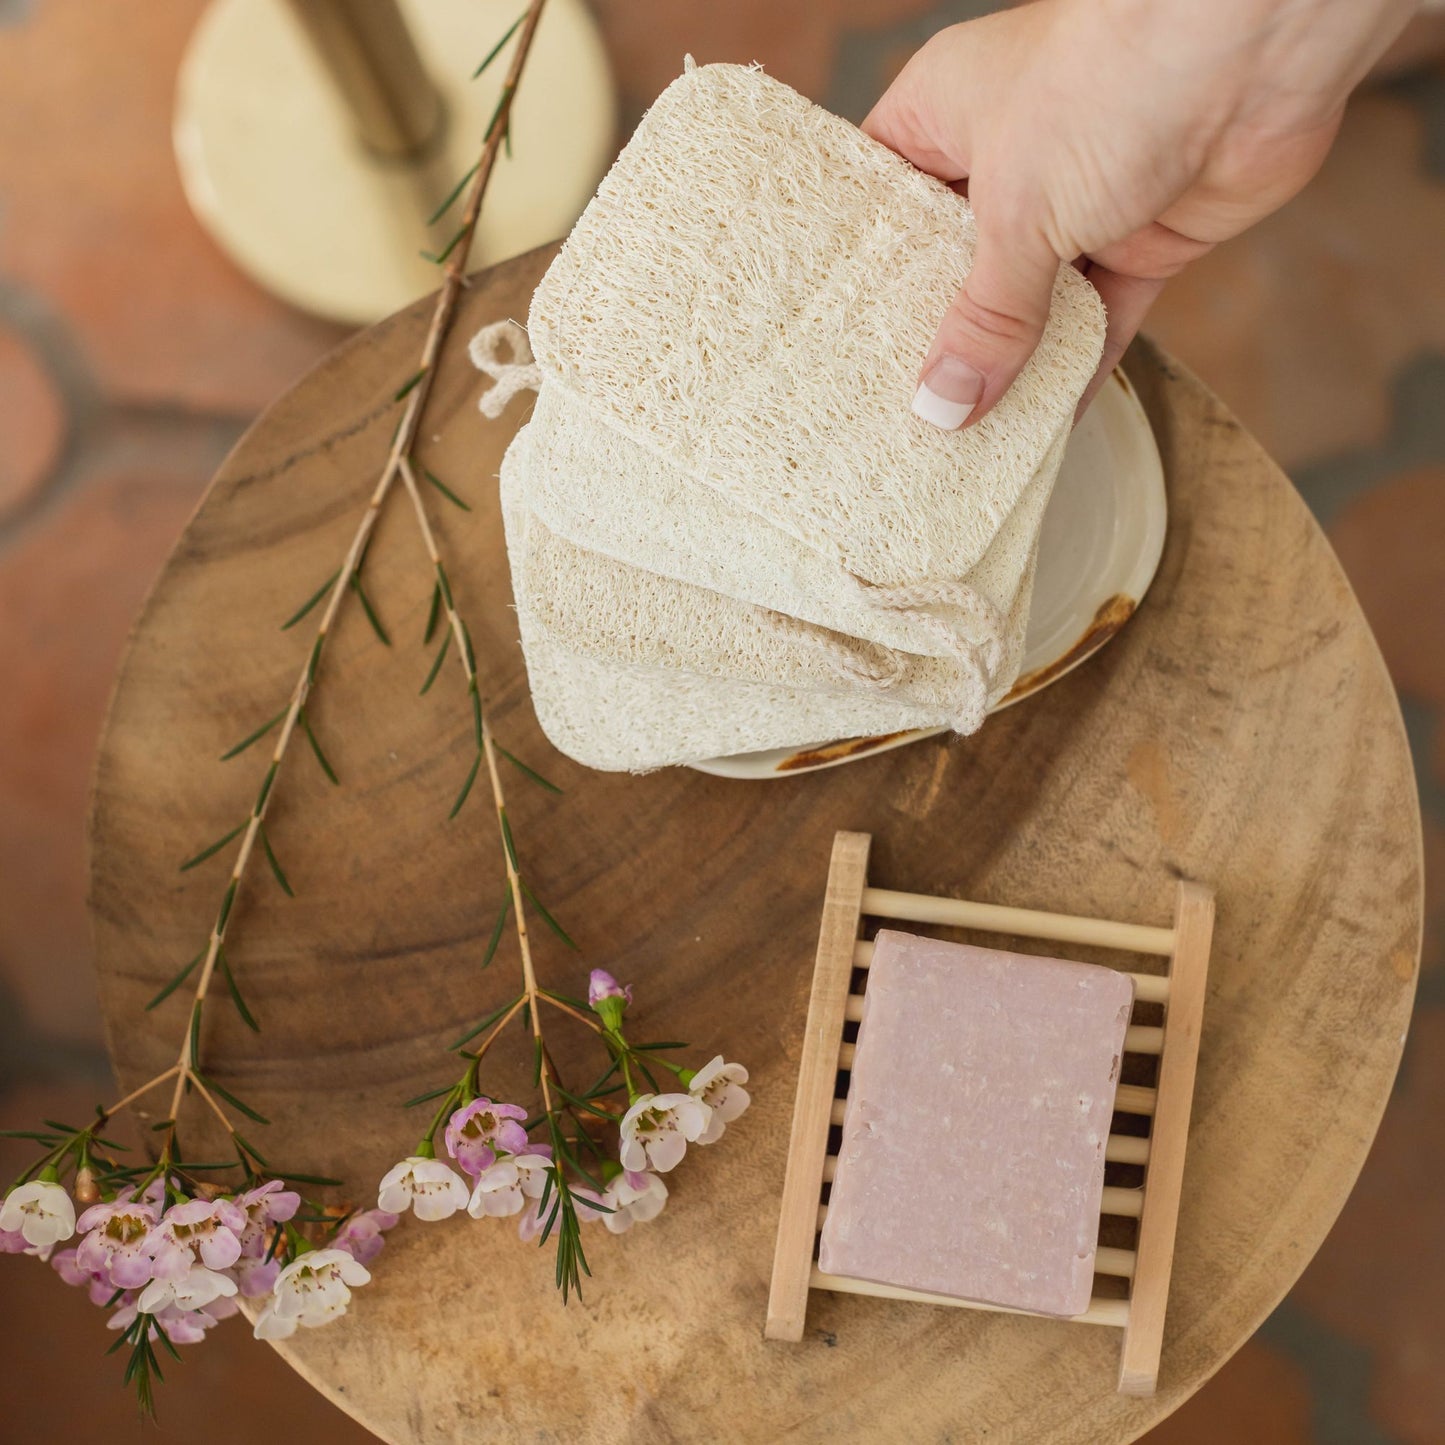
<point x="972" y="1159"/>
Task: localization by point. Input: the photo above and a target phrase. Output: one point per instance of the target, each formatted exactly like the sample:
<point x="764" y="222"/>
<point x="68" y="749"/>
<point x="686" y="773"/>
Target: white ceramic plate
<point x="1102" y="538"/>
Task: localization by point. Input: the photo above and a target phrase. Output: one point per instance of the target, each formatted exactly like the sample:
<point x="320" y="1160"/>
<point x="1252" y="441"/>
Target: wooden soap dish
<point x="821" y="1096"/>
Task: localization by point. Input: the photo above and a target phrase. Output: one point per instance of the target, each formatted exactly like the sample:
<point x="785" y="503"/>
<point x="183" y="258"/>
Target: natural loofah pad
<point x="749" y="297"/>
<point x="727" y="529"/>
<point x="691" y="533"/>
<point x="607" y="610"/>
<point x="635" y="718"/>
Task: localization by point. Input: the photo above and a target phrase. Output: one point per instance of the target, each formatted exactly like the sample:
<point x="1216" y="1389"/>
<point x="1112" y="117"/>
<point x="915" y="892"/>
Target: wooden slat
<point x="1123" y="1203"/>
<point x="1135" y="1099"/>
<point x="1139" y="1100"/>
<point x="1144" y="1337"/>
<point x="1148" y="987"/>
<point x="1126" y="1149"/>
<point x="1025" y="922"/>
<point x="1118" y="1148"/>
<point x="1116" y="1262"/>
<point x="1143" y="1039"/>
<point x="817" y="1074"/>
<point x="1113" y="1312"/>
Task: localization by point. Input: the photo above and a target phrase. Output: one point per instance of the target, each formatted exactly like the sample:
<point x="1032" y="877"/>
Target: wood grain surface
<point x="1241" y="730"/>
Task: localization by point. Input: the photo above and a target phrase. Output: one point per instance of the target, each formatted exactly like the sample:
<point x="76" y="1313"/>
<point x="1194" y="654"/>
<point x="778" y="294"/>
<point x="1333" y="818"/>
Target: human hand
<point x="1125" y="136"/>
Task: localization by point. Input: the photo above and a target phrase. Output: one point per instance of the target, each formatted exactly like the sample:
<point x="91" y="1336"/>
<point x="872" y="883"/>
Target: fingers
<point x="1127" y="300"/>
<point x="992" y="328"/>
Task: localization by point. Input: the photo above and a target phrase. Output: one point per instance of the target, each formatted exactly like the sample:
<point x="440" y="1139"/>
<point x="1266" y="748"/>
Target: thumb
<point x="992" y="328"/>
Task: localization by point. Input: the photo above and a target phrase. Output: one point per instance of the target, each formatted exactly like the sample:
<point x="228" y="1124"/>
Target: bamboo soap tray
<point x="1134" y="1289"/>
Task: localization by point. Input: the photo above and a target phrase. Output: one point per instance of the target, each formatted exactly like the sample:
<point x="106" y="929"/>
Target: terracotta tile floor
<point x="132" y="354"/>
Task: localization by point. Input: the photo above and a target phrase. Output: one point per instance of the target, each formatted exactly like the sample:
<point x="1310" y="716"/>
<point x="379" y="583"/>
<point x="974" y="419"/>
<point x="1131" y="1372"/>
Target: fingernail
<point x="948" y="393"/>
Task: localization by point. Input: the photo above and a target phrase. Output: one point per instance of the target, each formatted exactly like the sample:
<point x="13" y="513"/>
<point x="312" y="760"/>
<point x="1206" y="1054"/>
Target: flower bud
<point x="86" y="1189"/>
<point x="607" y="998"/>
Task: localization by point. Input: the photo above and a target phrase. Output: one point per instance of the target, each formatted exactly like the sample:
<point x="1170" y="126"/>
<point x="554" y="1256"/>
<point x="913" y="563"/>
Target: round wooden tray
<point x="1241" y="731"/>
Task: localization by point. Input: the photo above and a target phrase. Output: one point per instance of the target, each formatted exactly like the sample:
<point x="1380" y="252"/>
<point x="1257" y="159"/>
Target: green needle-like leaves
<point x="437" y="257"/>
<point x="310" y="602"/>
<point x="451" y="199"/>
<point x="246" y="1015"/>
<point x="433" y="614"/>
<point x="213" y="849"/>
<point x="370" y="611"/>
<point x="410" y="386"/>
<point x="485" y="1024"/>
<point x="316" y="748"/>
<point x="496" y="937"/>
<point x="532" y="773"/>
<point x="222" y="1092"/>
<point x="436" y="666"/>
<point x="497" y="49"/>
<point x="445" y="490"/>
<point x="466" y="787"/>
<point x="256" y="736"/>
<point x="276" y="869"/>
<point x="547" y="917"/>
<point x="176" y="982"/>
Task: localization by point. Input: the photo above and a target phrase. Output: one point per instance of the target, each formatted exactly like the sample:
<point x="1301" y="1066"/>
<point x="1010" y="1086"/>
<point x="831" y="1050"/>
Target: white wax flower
<point x="719" y="1085"/>
<point x="433" y="1189"/>
<point x="41" y="1211"/>
<point x="657" y="1129"/>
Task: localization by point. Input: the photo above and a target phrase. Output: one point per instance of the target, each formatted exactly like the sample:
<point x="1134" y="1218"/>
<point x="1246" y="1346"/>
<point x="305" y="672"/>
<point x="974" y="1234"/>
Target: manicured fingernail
<point x="948" y="393"/>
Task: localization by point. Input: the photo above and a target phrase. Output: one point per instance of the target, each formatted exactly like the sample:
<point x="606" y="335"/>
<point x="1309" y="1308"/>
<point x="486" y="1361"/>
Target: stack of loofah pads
<point x="727" y="529"/>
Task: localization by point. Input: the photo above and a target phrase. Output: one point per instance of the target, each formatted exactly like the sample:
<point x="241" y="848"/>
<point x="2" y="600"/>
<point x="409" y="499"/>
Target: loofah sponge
<point x="750" y="295"/>
<point x="622" y="717"/>
<point x="608" y="610"/>
<point x="727" y="529"/>
<point x="691" y="533"/>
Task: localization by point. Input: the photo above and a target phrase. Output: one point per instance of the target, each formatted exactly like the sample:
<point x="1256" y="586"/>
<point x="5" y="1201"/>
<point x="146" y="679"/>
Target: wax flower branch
<point x="163" y="1245"/>
<point x="597" y="1161"/>
<point x="169" y="1253"/>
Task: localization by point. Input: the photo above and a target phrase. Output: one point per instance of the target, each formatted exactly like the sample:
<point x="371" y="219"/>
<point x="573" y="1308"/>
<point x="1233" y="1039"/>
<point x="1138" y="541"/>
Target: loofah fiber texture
<point x="598" y="607"/>
<point x="692" y="534"/>
<point x="621" y="717"/>
<point x="749" y="296"/>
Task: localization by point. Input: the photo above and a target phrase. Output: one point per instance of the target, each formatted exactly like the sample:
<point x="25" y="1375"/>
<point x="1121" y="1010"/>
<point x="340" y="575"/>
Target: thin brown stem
<point x="216" y="1109"/>
<point x="575" y="1013"/>
<point x="404" y="440"/>
<point x="496" y="1030"/>
<point x="130" y="1098"/>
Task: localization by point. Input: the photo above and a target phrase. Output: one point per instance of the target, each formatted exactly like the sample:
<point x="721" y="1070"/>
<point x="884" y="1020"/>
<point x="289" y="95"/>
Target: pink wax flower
<point x="116" y="1242"/>
<point x="194" y="1290"/>
<point x="313" y="1290"/>
<point x="634" y="1196"/>
<point x="532" y="1218"/>
<point x="255" y="1275"/>
<point x="200" y="1231"/>
<point x="361" y="1235"/>
<point x="97" y="1282"/>
<point x="479" y="1131"/>
<point x="265" y="1207"/>
<point x="182" y="1327"/>
<point x="504" y="1187"/>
